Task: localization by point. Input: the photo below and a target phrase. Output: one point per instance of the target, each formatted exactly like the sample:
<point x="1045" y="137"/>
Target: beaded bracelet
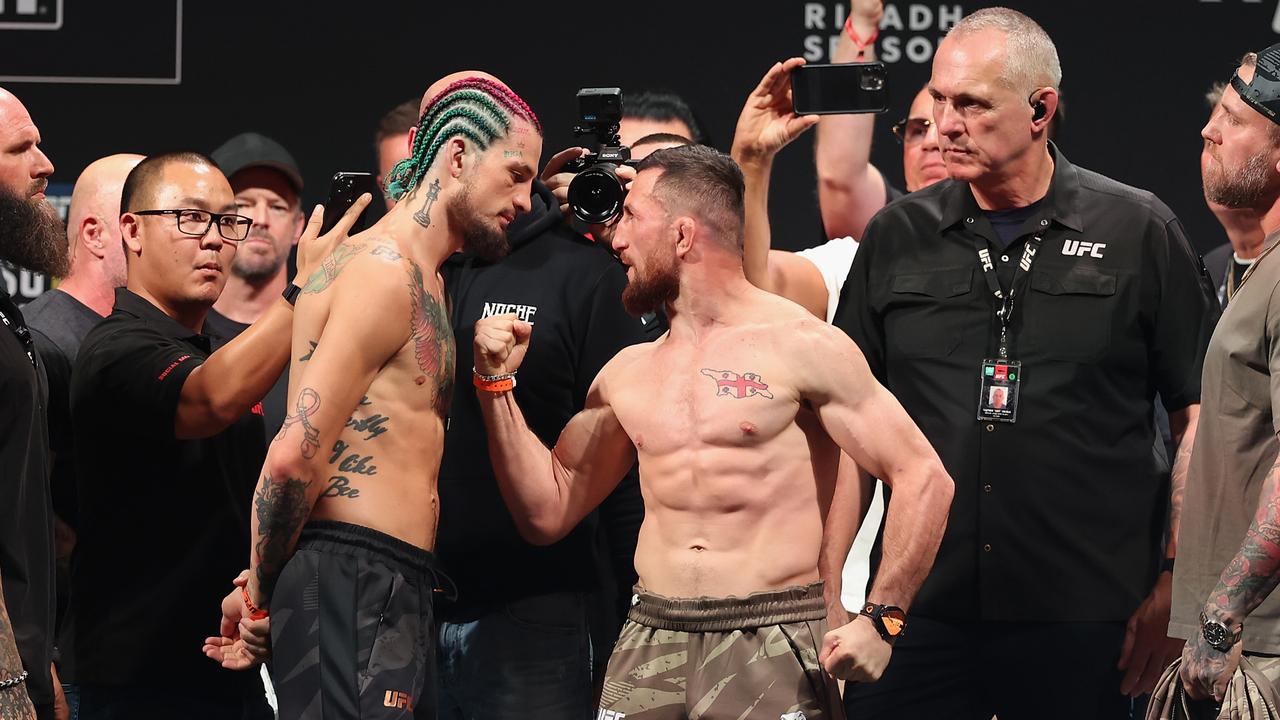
<point x="14" y="681"/>
<point x="493" y="383"/>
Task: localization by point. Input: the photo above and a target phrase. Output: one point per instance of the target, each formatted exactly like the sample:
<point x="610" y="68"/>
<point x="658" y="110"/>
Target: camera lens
<point x="872" y="79"/>
<point x="596" y="195"/>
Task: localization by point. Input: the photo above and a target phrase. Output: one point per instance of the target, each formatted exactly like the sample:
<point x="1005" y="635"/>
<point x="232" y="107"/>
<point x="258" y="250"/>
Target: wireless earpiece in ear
<point x="1038" y="110"/>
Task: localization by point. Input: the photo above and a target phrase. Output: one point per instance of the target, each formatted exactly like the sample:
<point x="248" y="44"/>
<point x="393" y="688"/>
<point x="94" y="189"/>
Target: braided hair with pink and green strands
<point x="476" y="108"/>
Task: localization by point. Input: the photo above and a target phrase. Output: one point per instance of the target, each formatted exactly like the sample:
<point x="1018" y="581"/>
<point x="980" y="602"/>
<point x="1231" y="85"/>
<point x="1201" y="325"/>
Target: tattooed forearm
<point x="331" y="267"/>
<point x="280" y="507"/>
<point x="1177" y="488"/>
<point x="423" y="215"/>
<point x="14" y="702"/>
<point x="1253" y="573"/>
<point x="432" y="340"/>
<point x="307" y="405"/>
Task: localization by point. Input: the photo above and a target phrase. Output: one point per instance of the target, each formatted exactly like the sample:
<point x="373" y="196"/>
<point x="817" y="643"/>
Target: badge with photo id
<point x="998" y="399"/>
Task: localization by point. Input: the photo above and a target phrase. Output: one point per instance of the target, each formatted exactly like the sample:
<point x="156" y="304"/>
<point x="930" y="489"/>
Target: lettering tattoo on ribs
<point x="731" y="384"/>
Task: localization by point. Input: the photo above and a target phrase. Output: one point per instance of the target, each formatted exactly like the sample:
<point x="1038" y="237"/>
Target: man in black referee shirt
<point x="168" y="453"/>
<point x="1051" y="570"/>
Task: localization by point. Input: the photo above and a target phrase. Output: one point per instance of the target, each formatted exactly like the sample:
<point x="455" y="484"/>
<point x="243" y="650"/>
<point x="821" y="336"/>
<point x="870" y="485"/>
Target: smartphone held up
<point x="345" y="188"/>
<point x="841" y="88"/>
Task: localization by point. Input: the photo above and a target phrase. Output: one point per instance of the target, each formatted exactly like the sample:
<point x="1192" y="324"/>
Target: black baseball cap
<point x="1263" y="92"/>
<point x="252" y="149"/>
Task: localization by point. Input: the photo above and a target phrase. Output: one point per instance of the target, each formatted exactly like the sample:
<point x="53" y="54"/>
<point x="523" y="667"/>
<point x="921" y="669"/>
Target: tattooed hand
<point x="314" y="248"/>
<point x="500" y="344"/>
<point x="1205" y="672"/>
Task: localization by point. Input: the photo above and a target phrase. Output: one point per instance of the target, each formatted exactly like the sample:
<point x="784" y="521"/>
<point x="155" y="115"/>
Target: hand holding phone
<point x="840" y="89"/>
<point x="343" y="191"/>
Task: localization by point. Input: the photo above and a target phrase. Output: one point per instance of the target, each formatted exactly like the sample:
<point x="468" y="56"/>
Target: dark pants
<point x="530" y="658"/>
<point x="164" y="701"/>
<point x="1016" y="671"/>
<point x="352" y="632"/>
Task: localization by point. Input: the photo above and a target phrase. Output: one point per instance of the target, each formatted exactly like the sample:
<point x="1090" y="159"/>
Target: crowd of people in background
<point x="483" y="460"/>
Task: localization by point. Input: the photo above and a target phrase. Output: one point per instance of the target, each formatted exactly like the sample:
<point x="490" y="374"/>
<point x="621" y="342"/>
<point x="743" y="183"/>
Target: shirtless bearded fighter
<point x="346" y="508"/>
<point x="728" y="413"/>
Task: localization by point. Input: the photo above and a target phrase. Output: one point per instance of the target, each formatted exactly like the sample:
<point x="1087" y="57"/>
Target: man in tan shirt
<point x="1230" y="537"/>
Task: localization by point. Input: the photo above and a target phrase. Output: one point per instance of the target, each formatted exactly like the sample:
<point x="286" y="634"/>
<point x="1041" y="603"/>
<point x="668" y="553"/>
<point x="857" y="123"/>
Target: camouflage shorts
<point x="722" y="659"/>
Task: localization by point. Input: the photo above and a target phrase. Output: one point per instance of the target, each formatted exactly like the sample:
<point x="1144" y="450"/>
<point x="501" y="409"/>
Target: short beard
<point x="258" y="268"/>
<point x="32" y="236"/>
<point x="479" y="239"/>
<point x="1242" y="187"/>
<point x="651" y="292"/>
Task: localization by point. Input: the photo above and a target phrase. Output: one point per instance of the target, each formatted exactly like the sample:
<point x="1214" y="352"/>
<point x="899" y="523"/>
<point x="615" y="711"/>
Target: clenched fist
<point x="500" y="344"/>
<point x="855" y="652"/>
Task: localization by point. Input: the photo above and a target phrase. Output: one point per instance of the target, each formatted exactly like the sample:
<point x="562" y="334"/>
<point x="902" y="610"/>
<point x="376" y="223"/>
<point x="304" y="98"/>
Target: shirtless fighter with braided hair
<point x="346" y="508"/>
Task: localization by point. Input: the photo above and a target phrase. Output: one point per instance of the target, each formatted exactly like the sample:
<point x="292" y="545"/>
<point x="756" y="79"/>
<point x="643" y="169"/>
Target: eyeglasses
<point x="197" y="222"/>
<point x="910" y="131"/>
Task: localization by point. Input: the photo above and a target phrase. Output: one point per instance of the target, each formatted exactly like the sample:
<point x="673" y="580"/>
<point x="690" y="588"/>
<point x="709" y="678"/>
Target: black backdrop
<point x="317" y="76"/>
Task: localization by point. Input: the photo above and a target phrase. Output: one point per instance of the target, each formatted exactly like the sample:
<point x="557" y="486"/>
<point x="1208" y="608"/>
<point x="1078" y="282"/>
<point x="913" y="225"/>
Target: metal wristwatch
<point x="1217" y="635"/>
<point x="889" y="620"/>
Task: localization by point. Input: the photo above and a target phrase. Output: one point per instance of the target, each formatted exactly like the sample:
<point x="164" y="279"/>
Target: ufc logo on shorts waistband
<point x="1080" y="248"/>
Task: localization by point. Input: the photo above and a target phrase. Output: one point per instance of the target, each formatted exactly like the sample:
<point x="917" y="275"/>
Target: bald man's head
<point x="93" y="221"/>
<point x="31" y="234"/>
<point x="24" y="169"/>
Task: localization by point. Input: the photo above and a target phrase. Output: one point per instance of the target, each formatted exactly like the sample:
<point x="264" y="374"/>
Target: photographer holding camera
<point x="526" y="609"/>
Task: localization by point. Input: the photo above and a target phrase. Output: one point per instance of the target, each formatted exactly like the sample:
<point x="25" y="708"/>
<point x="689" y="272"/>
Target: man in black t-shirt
<point x="30" y="237"/>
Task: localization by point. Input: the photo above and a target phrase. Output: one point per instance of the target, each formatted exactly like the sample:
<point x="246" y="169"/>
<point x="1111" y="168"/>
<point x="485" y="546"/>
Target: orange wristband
<point x="255" y="612"/>
<point x="493" y="383"/>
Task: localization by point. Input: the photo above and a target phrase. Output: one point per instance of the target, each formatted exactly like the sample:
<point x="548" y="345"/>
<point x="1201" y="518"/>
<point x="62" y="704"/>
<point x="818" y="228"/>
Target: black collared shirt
<point x="164" y="523"/>
<point x="1059" y="516"/>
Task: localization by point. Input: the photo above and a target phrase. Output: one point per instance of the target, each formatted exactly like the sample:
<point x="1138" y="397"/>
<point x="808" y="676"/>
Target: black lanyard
<point x="17" y="326"/>
<point x="1005" y="310"/>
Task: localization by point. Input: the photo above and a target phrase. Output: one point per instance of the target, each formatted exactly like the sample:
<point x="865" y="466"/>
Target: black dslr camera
<point x="596" y="194"/>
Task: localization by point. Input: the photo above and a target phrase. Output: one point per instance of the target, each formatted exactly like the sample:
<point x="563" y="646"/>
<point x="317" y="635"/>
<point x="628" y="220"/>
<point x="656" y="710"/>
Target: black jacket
<point x="570" y="290"/>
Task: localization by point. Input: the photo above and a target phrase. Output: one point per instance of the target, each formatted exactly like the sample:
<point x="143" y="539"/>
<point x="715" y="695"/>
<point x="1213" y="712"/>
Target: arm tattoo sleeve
<point x="1177" y="489"/>
<point x="14" y="702"/>
<point x="281" y="507"/>
<point x="1252" y="573"/>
